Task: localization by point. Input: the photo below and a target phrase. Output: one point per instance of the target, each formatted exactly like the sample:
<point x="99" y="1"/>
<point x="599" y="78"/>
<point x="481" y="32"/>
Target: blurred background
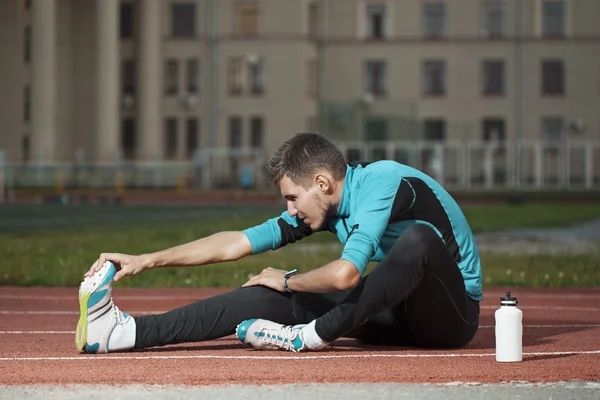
<point x="153" y="120"/>
<point x="195" y="95"/>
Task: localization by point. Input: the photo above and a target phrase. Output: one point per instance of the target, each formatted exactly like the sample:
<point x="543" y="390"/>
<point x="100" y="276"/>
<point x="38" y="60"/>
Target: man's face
<point x="309" y="205"/>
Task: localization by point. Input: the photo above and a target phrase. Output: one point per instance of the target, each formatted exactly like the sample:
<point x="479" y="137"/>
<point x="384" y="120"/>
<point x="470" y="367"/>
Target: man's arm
<point x="335" y="276"/>
<point x="219" y="247"/>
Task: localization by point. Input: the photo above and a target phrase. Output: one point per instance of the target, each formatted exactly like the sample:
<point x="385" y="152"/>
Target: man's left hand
<point x="269" y="277"/>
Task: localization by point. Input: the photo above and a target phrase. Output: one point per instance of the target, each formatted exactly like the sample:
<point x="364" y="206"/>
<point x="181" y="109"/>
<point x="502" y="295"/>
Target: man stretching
<point x="424" y="291"/>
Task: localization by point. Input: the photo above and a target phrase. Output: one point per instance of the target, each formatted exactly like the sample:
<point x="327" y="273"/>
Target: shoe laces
<point x="281" y="336"/>
<point x="118" y="314"/>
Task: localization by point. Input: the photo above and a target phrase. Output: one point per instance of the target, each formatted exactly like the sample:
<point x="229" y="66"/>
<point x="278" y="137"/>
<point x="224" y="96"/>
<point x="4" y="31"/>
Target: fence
<point x="457" y="164"/>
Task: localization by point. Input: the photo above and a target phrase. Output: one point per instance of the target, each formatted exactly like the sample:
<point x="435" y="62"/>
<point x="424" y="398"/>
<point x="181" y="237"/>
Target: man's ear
<point x="323" y="182"/>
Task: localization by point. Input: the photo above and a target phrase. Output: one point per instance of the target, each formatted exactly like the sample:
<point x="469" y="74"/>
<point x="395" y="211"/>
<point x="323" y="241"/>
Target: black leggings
<point x="415" y="297"/>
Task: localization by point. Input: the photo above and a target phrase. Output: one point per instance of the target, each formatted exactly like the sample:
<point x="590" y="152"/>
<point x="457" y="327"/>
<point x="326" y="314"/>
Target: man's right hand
<point x="126" y="265"/>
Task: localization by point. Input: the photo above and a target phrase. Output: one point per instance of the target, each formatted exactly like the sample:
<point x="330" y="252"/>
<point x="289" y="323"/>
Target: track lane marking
<point x="196" y="298"/>
<point x="481" y="327"/>
<point x="290" y="357"/>
<point x="52" y="312"/>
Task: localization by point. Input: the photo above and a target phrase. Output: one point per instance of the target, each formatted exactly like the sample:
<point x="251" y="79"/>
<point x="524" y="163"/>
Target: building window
<point x="553" y="129"/>
<point x="434" y="78"/>
<point x="250" y="70"/>
<point x="235" y="132"/>
<point x="191" y="138"/>
<point x="170" y="138"/>
<point x="235" y="141"/>
<point x="493" y="18"/>
<point x="27" y="45"/>
<point x="256" y="132"/>
<point x="246" y="19"/>
<point x="434" y="130"/>
<point x="128" y="76"/>
<point x="493" y="77"/>
<point x="193" y="75"/>
<point x="313" y="19"/>
<point x="171" y="77"/>
<point x="376" y="21"/>
<point x="375" y="79"/>
<point x="553" y="18"/>
<point x="553" y="77"/>
<point x="435" y="19"/>
<point x="236" y="76"/>
<point x="27" y="104"/>
<point x="494" y="130"/>
<point x="128" y="138"/>
<point x="183" y="19"/>
<point x="432" y="156"/>
<point x="25" y="148"/>
<point x="256" y="74"/>
<point x="311" y="77"/>
<point x="126" y="20"/>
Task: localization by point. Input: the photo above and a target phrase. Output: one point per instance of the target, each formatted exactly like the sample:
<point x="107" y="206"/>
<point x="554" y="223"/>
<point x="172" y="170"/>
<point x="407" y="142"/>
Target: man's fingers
<point x="252" y="281"/>
<point x="119" y="275"/>
<point x="104" y="257"/>
<point x="92" y="269"/>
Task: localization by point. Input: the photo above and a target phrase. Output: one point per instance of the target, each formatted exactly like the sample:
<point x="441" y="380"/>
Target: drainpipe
<point x="213" y="112"/>
<point x="321" y="35"/>
<point x="520" y="91"/>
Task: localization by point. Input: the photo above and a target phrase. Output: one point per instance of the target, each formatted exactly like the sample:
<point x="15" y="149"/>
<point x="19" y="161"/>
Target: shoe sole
<point x="86" y="289"/>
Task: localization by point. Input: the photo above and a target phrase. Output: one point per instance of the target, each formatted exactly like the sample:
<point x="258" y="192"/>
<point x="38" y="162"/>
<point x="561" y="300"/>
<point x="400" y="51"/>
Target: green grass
<point x="54" y="246"/>
<point x="490" y="218"/>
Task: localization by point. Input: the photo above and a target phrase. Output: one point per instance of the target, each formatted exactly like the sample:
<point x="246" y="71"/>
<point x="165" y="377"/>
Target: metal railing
<point x="456" y="164"/>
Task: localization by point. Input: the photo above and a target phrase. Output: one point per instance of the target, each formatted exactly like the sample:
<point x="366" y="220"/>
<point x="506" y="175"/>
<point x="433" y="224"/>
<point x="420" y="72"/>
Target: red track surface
<point x="561" y="342"/>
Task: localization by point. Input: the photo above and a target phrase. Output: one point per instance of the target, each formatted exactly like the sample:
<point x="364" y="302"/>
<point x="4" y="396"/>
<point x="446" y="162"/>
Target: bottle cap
<point x="508" y="300"/>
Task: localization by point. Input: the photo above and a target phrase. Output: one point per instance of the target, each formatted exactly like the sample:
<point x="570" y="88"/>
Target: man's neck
<point x="337" y="194"/>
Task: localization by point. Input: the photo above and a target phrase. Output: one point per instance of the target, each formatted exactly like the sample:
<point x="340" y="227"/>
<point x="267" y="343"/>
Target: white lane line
<point x="196" y="298"/>
<point x="481" y="327"/>
<point x="555" y="308"/>
<point x="69" y="312"/>
<point x="21" y="312"/>
<point x="36" y="332"/>
<point x="117" y="296"/>
<point x="289" y="357"/>
<point x="549" y="326"/>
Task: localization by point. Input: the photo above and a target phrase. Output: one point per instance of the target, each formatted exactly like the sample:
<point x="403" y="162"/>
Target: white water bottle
<point x="509" y="330"/>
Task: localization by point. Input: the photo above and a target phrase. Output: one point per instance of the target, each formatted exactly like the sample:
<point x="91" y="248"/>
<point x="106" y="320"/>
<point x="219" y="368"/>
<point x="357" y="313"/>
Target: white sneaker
<point x="267" y="335"/>
<point x="102" y="327"/>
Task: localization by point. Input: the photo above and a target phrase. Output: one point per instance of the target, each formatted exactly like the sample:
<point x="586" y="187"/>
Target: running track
<point x="561" y="343"/>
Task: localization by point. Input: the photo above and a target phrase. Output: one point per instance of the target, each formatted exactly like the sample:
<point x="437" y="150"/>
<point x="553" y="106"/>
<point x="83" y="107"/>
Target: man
<point x="424" y="292"/>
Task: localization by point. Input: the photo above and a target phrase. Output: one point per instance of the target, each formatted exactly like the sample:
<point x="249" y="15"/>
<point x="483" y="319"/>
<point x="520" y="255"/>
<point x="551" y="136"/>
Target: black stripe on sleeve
<point x="290" y="233"/>
<point x="403" y="202"/>
<point x="425" y="207"/>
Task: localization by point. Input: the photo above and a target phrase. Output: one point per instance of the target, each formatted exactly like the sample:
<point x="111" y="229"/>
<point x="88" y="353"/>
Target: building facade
<point x="101" y="80"/>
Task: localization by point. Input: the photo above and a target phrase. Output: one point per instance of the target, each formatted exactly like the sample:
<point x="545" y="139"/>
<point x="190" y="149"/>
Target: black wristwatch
<point x="286" y="277"/>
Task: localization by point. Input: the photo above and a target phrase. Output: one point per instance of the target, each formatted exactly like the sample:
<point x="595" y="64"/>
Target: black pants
<point x="414" y="297"/>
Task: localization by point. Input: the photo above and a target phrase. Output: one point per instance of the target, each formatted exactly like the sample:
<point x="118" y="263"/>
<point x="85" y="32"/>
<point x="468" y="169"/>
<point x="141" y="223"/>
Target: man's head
<point x="309" y="170"/>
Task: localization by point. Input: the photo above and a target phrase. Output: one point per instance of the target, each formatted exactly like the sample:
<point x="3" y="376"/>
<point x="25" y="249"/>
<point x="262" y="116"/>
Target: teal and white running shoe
<point x="102" y="327"/>
<point x="267" y="335"/>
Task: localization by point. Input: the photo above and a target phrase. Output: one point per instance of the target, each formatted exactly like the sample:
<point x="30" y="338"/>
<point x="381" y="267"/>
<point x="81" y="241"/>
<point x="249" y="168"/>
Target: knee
<point x="421" y="235"/>
<point x="417" y="241"/>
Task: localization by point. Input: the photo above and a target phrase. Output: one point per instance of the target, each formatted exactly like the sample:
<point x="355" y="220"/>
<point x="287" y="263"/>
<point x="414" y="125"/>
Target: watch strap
<point x="286" y="277"/>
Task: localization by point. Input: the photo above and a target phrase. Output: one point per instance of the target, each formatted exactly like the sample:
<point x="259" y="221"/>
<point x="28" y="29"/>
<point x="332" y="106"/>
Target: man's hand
<point x="126" y="265"/>
<point x="269" y="277"/>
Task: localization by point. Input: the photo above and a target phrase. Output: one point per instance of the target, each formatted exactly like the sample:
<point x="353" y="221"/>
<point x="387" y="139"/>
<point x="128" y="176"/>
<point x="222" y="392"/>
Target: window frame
<point x="377" y="87"/>
<point x="176" y="26"/>
<point x="425" y="74"/>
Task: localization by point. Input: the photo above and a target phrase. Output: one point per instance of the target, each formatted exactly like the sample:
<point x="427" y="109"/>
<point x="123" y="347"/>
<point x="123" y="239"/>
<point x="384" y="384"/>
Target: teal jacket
<point x="380" y="201"/>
